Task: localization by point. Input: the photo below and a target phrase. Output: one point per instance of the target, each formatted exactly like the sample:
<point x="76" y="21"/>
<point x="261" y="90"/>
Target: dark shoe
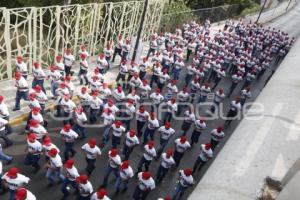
<point x="124" y="190"/>
<point x="10" y="161"/>
<point x="15" y="109"/>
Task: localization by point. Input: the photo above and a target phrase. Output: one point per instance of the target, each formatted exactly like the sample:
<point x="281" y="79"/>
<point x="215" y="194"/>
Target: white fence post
<point x="57" y="36"/>
<point x="7" y="42"/>
<point x="108" y="23"/>
<point x="77" y="30"/>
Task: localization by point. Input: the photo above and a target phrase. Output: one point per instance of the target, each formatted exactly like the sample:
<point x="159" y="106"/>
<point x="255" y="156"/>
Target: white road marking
<point x="257" y="143"/>
<point x="294" y="132"/>
<point x="279" y="169"/>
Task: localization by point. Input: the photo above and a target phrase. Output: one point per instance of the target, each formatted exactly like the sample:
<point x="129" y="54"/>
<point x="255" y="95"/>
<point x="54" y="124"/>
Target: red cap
<point x="58" y="57"/>
<point x="21" y="193"/>
<point x="173" y="81"/>
<point x="145" y="81"/>
<point x="13" y="171"/>
<point x="146" y="175"/>
<point x="67" y="127"/>
<point x="68" y="50"/>
<point x="125" y="164"/>
<point x="92" y="142"/>
<point x="31" y="136"/>
<point x="68" y="78"/>
<point x="118" y="123"/>
<point x="101" y="193"/>
<point x="132" y="132"/>
<point x="207" y="146"/>
<point x="167" y="198"/>
<point x="169" y="152"/>
<point x="17" y="74"/>
<point x="52" y="152"/>
<point x="33" y="122"/>
<point x="83" y="89"/>
<point x="82" y="179"/>
<point x="188" y="171"/>
<point x="36" y="64"/>
<point x="151" y="144"/>
<point x="1" y="98"/>
<point x="167" y="124"/>
<point x="83" y="56"/>
<point x="20" y="58"/>
<point x="182" y="139"/>
<point x="32" y="95"/>
<point x="142" y="109"/>
<point x="37" y="88"/>
<point x="101" y="55"/>
<point x="46" y="140"/>
<point x="35" y="109"/>
<point x="69" y="163"/>
<point x="157" y="90"/>
<point x="113" y="152"/>
<point x="220" y="129"/>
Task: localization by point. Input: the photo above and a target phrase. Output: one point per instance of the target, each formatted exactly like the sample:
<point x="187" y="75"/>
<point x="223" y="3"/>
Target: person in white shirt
<point x="217" y="135"/>
<point x="128" y="114"/>
<point x="152" y="125"/>
<point x="102" y="63"/>
<point x="156" y="99"/>
<point x="22" y="90"/>
<point x="131" y="140"/>
<point x="69" y="60"/>
<point x="68" y="107"/>
<point x="204" y="91"/>
<point x="141" y="118"/>
<point x="245" y="94"/>
<point x="166" y="132"/>
<point x="85" y="188"/>
<point x="108" y="120"/>
<point x="91" y="152"/>
<point x="41" y="97"/>
<point x="4" y="157"/>
<point x="59" y="64"/>
<point x="119" y="96"/>
<point x="84" y="98"/>
<point x="39" y="76"/>
<point x="189" y="118"/>
<point x="144" y="90"/>
<point x="114" y="162"/>
<point x="108" y="52"/>
<point x="104" y="93"/>
<point x="126" y="49"/>
<point x="143" y="67"/>
<point x="153" y="46"/>
<point x="24" y="194"/>
<point x="55" y="77"/>
<point x="205" y="155"/>
<point x="218" y="98"/>
<point x="156" y="72"/>
<point x="117" y="132"/>
<point x="181" y="146"/>
<point x="185" y="180"/>
<point x="38" y="129"/>
<point x="234" y="111"/>
<point x="118" y="47"/>
<point x="13" y="180"/>
<point x="167" y="162"/>
<point x="34" y="150"/>
<point x="70" y="174"/>
<point x="172" y="108"/>
<point x="125" y="174"/>
<point x="83" y="70"/>
<point x="3" y="131"/>
<point x="95" y="107"/>
<point x="47" y="145"/>
<point x="21" y="66"/>
<point x="199" y="126"/>
<point x="69" y="137"/>
<point x="4" y="114"/>
<point x="145" y="185"/>
<point x="54" y="167"/>
<point x="100" y="195"/>
<point x="183" y="99"/>
<point x="148" y="156"/>
<point x="80" y="121"/>
<point x="123" y="70"/>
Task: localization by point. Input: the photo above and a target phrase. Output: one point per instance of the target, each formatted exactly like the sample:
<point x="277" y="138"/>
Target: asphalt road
<point x="38" y="183"/>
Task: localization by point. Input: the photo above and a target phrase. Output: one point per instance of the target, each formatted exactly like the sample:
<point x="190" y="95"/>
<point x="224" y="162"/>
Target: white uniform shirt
<point x="72" y="173"/>
<point x="166" y="162"/>
<point x="68" y="106"/>
<point x="205" y="155"/>
<point x="91" y="153"/>
<point x="68" y="60"/>
<point x="14" y="184"/>
<point x="152" y="123"/>
<point x="95" y="103"/>
<point x="217" y="136"/>
<point x="127" y="173"/>
<point x="95" y="197"/>
<point x="142" y="117"/>
<point x="56" y="162"/>
<point x="181" y="147"/>
<point x="156" y="98"/>
<point x="146" y="184"/>
<point x="118" y="131"/>
<point x="22" y="85"/>
<point x="149" y="154"/>
<point x="166" y="133"/>
<point x="39" y="130"/>
<point x="85" y="189"/>
<point x="3" y="122"/>
<point x="35" y="147"/>
<point x="4" y="110"/>
<point x="69" y="136"/>
<point x="184" y="180"/>
<point x="114" y="162"/>
<point x="108" y="119"/>
<point x="131" y="141"/>
<point x="199" y="126"/>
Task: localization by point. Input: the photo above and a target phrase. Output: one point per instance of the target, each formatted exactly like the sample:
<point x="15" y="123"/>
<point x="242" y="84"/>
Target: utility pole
<point x="261" y="10"/>
<point x="140" y="30"/>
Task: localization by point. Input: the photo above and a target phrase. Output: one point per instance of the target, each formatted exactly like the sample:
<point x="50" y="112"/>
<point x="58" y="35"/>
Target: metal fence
<point x="38" y="33"/>
<point x="171" y="20"/>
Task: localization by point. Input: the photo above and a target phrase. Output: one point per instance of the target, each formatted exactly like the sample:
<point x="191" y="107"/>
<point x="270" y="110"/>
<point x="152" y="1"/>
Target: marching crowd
<point x="241" y="53"/>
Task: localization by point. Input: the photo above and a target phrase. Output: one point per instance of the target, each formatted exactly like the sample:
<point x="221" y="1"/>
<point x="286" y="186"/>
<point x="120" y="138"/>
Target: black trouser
<point x="232" y="87"/>
<point x="122" y="77"/>
<point x="198" y="164"/>
<point x="142" y="75"/>
<point x="90" y="165"/>
<point x="177" y="157"/>
<point x="214" y="143"/>
<point x="188" y="53"/>
<point x="231" y="114"/>
<point x="151" y="51"/>
<point x="117" y="51"/>
<point x="140" y="125"/>
<point x="7" y="141"/>
<point x="68" y="70"/>
<point x="154" y="78"/>
<point x="195" y="137"/>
